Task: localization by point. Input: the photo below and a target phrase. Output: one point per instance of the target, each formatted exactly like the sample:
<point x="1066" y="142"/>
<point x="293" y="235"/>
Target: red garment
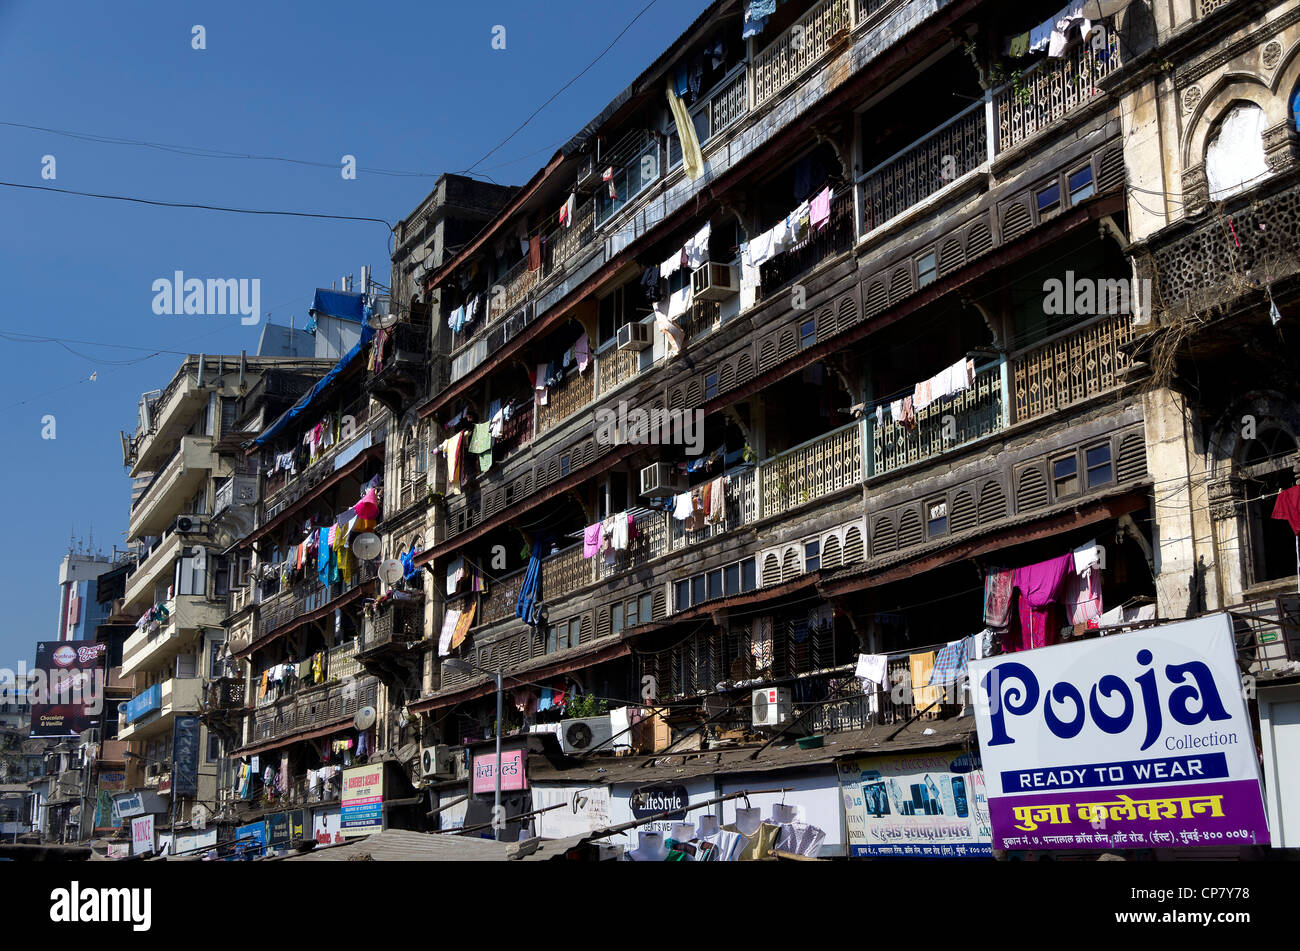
<point x="1039" y="614"/>
<point x="1287" y="506"/>
<point x="534" y="252"/>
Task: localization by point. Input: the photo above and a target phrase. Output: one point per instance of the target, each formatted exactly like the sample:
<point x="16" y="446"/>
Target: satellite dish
<point x="364" y="719"/>
<point x="366" y="546"/>
<point x="199" y="817"/>
<point x="391" y="570"/>
<point x="382" y="319"/>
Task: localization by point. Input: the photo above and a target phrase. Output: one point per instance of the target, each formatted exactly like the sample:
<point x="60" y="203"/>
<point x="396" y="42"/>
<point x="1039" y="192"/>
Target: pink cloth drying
<point x="591" y="540"/>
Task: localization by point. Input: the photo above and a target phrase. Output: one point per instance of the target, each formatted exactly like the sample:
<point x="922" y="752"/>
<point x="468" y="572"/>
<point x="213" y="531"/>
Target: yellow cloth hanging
<point x="692" y="157"/>
<point x="922" y="696"/>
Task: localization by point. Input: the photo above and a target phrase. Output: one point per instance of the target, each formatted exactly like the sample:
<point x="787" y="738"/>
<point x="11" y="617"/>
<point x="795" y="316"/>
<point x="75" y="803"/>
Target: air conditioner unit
<point x="438" y="762"/>
<point x="713" y="281"/>
<point x="585" y="733"/>
<point x="588" y="178"/>
<point x="771" y="708"/>
<point x="634" y="336"/>
<point x="190" y="524"/>
<point x="660" y="480"/>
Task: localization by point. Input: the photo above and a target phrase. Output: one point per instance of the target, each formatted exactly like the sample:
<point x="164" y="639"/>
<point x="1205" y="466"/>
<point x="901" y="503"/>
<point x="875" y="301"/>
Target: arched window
<point x="1234" y="154"/>
<point x="1266" y="467"/>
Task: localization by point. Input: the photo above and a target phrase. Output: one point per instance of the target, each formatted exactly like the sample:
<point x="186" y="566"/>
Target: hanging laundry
<point x="567" y="211"/>
<point x="545" y="701"/>
<point x="819" y="211"/>
<point x="674" y="336"/>
<point x="480" y="445"/>
<point x="539" y="385"/>
<point x="756" y="16"/>
<point x="653" y="285"/>
<point x="1287" y="507"/>
<point x="534" y="253"/>
<point x="1037" y="620"/>
<point x="871" y="668"/>
<point x="683" y="507"/>
<point x="618" y="535"/>
<point x="999" y="586"/>
<point x="924" y="698"/>
<point x="717" y="513"/>
<point x="591" y="539"/>
<point x="696" y="251"/>
<point x="950" y="663"/>
<point x="692" y="157"/>
<point x="582" y="352"/>
<point x="907" y="415"/>
<point x="608" y="177"/>
<point x="450" y="620"/>
<point x="463" y="624"/>
<point x="1017" y="47"/>
<point x="1081" y="596"/>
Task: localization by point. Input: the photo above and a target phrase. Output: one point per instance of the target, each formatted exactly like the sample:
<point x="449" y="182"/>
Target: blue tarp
<point x="342" y="304"/>
<point x="299" y="407"/>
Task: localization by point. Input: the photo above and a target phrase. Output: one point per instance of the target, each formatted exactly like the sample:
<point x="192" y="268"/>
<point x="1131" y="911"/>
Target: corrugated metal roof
<point x="782" y="755"/>
<point x="400" y="845"/>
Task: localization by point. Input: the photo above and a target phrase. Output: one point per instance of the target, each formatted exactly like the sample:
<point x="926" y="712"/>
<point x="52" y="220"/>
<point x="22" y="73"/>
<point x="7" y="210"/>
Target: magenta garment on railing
<point x="1040" y="589"/>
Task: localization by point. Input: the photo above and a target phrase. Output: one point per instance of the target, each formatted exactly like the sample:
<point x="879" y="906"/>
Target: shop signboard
<point x="1133" y="741"/>
<point x="325" y="827"/>
<point x="297" y="819"/>
<point x="127" y="805"/>
<point x="194" y="842"/>
<point x="647" y="801"/>
<point x="185" y="756"/>
<point x="363" y="801"/>
<point x="277" y="829"/>
<point x="513" y="776"/>
<point x="142" y="835"/>
<point x="66" y="688"/>
<point x="928" y="804"/>
<point x="581" y="808"/>
<point x="142" y="704"/>
<point x="250" y="839"/>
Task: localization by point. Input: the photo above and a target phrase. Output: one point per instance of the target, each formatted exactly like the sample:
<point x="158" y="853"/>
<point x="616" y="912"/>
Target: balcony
<point x="171" y="414"/>
<point x="156" y="644"/>
<point x="401" y="364"/>
<point x="802" y="45"/>
<point x="499" y="603"/>
<point x="577" y="390"/>
<point x="812" y="470"/>
<point x="395" y="624"/>
<point x="282" y="490"/>
<point x="944" y="425"/>
<point x="1071" y="367"/>
<point x="150" y="714"/>
<point x="306" y="598"/>
<point x="312" y="709"/>
<point x="925" y="167"/>
<point x="1053" y="88"/>
<point x="834" y="239"/>
<point x="172" y="486"/>
<point x="225" y="695"/>
<point x="615" y="367"/>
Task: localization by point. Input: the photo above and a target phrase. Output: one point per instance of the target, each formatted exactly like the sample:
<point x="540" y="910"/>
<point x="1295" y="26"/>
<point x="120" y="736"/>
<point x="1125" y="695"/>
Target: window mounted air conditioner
<point x="660" y="480"/>
<point x="712" y="281"/>
<point x="634" y="336"/>
<point x="585" y="733"/>
<point x="771" y="708"/>
<point x="437" y="762"/>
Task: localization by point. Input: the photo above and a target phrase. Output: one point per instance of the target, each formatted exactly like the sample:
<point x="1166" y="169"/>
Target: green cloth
<point x="480" y="445"/>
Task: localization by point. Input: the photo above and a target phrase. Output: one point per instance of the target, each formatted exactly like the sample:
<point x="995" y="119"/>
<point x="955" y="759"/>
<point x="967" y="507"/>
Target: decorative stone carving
<point x="1226" y="497"/>
<point x="1191" y="98"/>
<point x="1281" y="146"/>
<point x="1196" y="190"/>
<point x="1272" y="54"/>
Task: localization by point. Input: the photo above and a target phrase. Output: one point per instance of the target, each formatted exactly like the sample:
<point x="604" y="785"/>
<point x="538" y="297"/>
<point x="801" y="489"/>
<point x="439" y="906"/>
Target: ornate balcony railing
<point x="945" y="424"/>
<point x="811" y="470"/>
<point x="650" y="542"/>
<point x="341" y="661"/>
<point x="565" y="400"/>
<point x="499" y="602"/>
<point x="514" y="285"/>
<point x="565" y="572"/>
<point x="312" y="708"/>
<point x="396" y="622"/>
<point x="1070" y="368"/>
<point x="912" y="175"/>
<point x="616" y="367"/>
<point x="798" y="48"/>
<point x="1052" y="88"/>
<point x="741" y="509"/>
<point x="306" y="598"/>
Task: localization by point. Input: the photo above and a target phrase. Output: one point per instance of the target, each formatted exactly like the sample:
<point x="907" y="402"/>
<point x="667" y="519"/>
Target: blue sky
<point x="402" y="86"/>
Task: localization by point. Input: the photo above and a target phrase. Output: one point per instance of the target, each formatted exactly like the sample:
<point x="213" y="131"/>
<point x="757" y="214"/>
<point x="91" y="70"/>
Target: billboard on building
<point x="363" y="800"/>
<point x="513" y="775"/>
<point x="106" y="817"/>
<point x="185" y="756"/>
<point x="928" y="803"/>
<point x="66" y="688"/>
<point x="326" y="826"/>
<point x="1136" y="740"/>
<point x="142" y="835"/>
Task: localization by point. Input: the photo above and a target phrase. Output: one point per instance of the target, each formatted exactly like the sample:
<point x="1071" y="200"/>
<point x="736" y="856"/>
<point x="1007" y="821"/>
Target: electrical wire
<point x="199" y="206"/>
<point x="558" y="92"/>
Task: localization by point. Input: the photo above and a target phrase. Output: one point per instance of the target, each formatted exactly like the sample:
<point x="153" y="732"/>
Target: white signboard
<point x="142" y="835"/>
<point x="580" y="809"/>
<point x="1138" y="740"/>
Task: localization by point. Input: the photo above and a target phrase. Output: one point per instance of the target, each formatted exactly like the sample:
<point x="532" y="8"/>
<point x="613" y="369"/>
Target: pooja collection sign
<point x="1138" y="740"/>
